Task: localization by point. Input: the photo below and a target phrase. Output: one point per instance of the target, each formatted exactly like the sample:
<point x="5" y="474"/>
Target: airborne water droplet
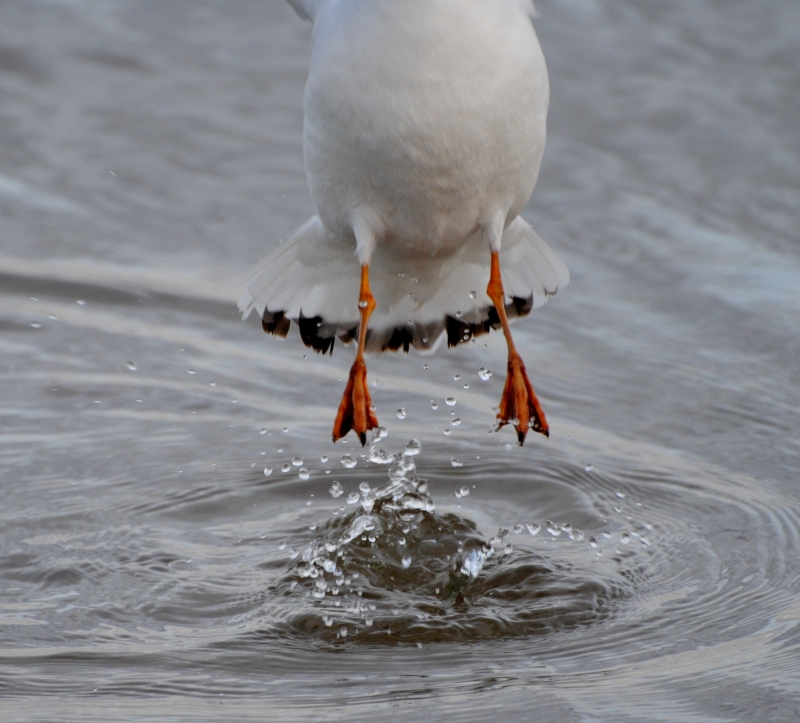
<point x="413" y="448"/>
<point x="336" y="490"/>
<point x="132" y="366"/>
<point x="401" y="413"/>
<point x="267" y="471"/>
<point x="553" y="528"/>
<point x="450" y="401"/>
<point x="434" y="405"/>
<point x="286" y="467"/>
<point x="323" y="458"/>
<point x="406" y="563"/>
<point x="36" y="325"/>
<point x="464" y="491"/>
<point x="456" y="462"/>
<point x="353" y="498"/>
<point x="303" y="474"/>
<point x="380" y="456"/>
<point x="534" y="529"/>
<point x="297" y="462"/>
<point x="191" y="371"/>
<point x="349" y="461"/>
<point x="456" y="421"/>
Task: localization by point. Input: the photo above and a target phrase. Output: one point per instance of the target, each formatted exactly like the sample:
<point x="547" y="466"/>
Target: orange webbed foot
<point x="519" y="404"/>
<point x="355" y="411"/>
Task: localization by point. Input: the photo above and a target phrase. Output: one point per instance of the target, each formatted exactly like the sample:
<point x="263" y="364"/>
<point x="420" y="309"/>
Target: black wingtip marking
<point x="309" y="333"/>
<point x="401" y="337"/>
<point x="275" y="322"/>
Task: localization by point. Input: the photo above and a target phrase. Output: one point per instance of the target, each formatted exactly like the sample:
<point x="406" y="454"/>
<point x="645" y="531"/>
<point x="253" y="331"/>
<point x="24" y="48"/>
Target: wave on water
<point x="397" y="571"/>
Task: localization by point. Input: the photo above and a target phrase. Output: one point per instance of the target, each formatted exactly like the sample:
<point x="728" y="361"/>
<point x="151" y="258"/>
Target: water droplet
<point x="425" y="366"/>
<point x="473" y="294"/>
<point x="464" y="491"/>
<point x="267" y="471"/>
<point x="456" y="462"/>
<point x="191" y="371"/>
<point x="593" y="542"/>
<point x="282" y="546"/>
<point x="380" y="456"/>
<point x="132" y="366"/>
<point x="447" y="431"/>
<point x="348" y="461"/>
<point x="263" y="430"/>
<point x="625" y="538"/>
<point x="508" y="549"/>
<point x="456" y="421"/>
<point x="621" y="495"/>
<point x="406" y="563"/>
<point x="382" y="432"/>
<point x="212" y="384"/>
<point x="401" y="413"/>
<point x="401" y="541"/>
<point x="484" y="374"/>
<point x="297" y="462"/>
<point x="353" y="498"/>
<point x="413" y="448"/>
<point x="323" y="458"/>
<point x="81" y="302"/>
<point x="517" y="529"/>
<point x="303" y="474"/>
<point x="336" y="490"/>
<point x="364" y="487"/>
<point x="362" y="303"/>
<point x="533" y="529"/>
<point x="36" y="325"/>
<point x="434" y="405"/>
<point x="457" y="377"/>
<point x="450" y="401"/>
<point x="459" y="314"/>
<point x="589" y="467"/>
<point x="286" y="467"/>
<point x="553" y="528"/>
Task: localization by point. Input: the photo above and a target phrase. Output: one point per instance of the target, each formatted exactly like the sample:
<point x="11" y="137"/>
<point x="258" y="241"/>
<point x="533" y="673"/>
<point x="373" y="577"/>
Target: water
<point x="642" y="564"/>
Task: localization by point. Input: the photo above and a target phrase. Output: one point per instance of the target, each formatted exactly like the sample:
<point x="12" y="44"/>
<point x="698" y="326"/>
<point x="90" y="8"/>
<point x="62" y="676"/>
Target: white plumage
<point x="424" y="130"/>
<point x="425" y="120"/>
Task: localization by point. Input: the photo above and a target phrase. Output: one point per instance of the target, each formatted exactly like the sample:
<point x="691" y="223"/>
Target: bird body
<point x="424" y="129"/>
<point x="426" y="118"/>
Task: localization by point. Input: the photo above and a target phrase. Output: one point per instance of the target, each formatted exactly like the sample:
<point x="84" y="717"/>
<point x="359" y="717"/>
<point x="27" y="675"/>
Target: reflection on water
<point x="179" y="539"/>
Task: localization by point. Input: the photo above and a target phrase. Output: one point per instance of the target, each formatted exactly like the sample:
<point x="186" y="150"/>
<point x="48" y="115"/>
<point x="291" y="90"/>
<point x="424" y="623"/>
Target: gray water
<point x="150" y="566"/>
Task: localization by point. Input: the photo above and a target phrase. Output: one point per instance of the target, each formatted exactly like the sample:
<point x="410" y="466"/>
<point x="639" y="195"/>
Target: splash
<point x="395" y="569"/>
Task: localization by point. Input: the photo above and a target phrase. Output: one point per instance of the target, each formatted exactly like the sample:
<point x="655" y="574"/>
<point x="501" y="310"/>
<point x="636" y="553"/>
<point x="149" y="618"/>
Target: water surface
<point x="180" y="540"/>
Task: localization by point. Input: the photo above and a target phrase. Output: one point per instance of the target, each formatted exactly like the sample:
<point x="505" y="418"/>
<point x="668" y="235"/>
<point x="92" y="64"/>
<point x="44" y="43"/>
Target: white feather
<point x="315" y="274"/>
<point x="424" y="130"/>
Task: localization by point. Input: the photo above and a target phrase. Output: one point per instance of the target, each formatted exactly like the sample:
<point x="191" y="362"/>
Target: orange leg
<point x="519" y="404"/>
<point x="355" y="411"/>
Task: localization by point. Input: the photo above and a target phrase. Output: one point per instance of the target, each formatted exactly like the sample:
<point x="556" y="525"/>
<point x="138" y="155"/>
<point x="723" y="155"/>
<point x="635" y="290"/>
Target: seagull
<point x="424" y="128"/>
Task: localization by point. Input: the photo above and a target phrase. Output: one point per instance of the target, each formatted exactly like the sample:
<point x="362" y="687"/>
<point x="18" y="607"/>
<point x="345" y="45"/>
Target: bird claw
<point x="519" y="405"/>
<point x="355" y="410"/>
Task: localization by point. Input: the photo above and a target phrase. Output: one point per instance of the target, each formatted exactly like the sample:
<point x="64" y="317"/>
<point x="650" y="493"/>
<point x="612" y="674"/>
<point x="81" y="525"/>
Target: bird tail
<point x="313" y="280"/>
